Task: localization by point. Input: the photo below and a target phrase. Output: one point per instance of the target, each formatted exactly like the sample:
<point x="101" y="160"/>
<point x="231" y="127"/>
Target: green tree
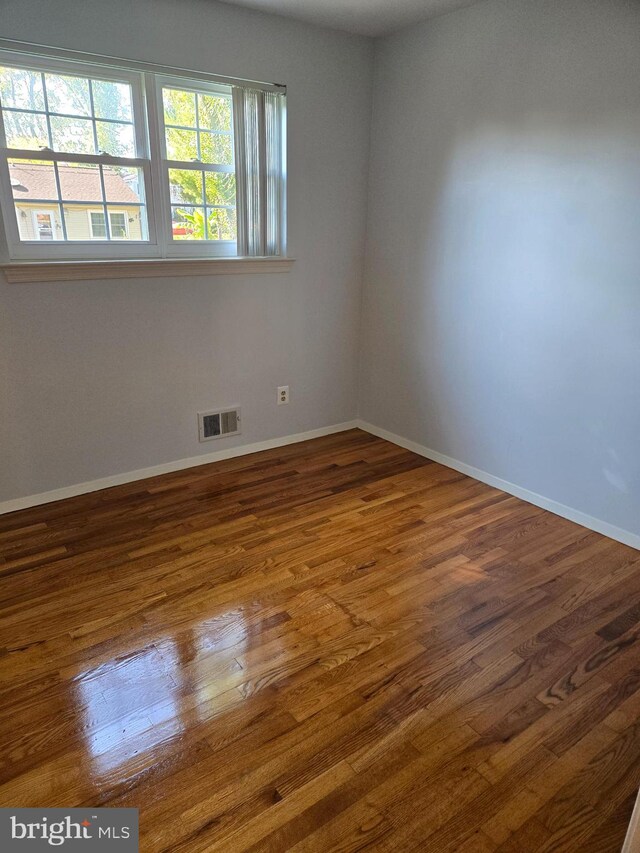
<point x="198" y="129"/>
<point x="24" y="90"/>
<point x="220" y="224"/>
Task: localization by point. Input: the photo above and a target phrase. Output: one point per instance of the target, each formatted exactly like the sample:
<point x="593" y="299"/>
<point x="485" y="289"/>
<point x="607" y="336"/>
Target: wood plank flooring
<point x="333" y="646"/>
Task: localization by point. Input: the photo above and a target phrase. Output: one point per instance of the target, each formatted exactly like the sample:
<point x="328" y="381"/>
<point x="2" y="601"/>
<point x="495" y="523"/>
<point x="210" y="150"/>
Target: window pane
<point x="190" y="221"/>
<point x="25" y="130"/>
<point x="221" y="224"/>
<point x="34" y="188"/>
<point x="32" y="181"/>
<point x="185" y="186"/>
<point x="123" y="185"/>
<point x="179" y="107"/>
<point x="98" y="228"/>
<point x="72" y="135"/>
<point x="41" y="222"/>
<point x="214" y="112"/>
<point x="216" y="148"/>
<point x="68" y="95"/>
<point x="181" y="144"/>
<point x="220" y="187"/>
<point x="116" y="139"/>
<point x="112" y="100"/>
<point x="80" y="182"/>
<point x="33" y="185"/>
<point x="21" y="89"/>
<point x="187" y="223"/>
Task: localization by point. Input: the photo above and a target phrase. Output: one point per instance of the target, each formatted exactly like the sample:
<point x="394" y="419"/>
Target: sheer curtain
<point x="259" y="152"/>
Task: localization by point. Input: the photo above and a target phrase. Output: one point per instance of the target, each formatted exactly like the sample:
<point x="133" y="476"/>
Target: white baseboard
<point x="167" y="468"/>
<point x="603" y="527"/>
<point x="632" y="839"/>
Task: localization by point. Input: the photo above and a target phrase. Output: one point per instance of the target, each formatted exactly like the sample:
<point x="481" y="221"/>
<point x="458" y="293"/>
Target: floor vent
<point x="218" y="423"/>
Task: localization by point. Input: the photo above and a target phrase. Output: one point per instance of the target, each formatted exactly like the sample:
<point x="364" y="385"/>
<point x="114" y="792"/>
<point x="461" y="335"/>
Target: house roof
<point x="78" y="183"/>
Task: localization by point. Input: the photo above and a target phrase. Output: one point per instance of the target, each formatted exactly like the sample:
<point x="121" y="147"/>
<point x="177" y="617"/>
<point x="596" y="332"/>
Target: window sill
<point x="30" y="271"/>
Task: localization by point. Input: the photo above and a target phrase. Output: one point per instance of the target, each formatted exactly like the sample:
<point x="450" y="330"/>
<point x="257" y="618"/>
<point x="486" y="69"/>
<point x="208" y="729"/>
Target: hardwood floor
<point x="336" y="645"/>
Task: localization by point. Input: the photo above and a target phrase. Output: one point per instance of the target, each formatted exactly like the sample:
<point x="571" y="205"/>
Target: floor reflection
<point x="135" y="706"/>
<point x="131" y="706"/>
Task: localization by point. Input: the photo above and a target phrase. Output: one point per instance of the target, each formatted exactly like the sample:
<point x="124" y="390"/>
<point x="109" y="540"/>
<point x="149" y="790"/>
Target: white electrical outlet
<point x="283" y="395"/>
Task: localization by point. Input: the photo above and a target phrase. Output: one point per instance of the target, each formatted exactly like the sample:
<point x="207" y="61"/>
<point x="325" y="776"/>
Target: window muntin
<point x="90" y="133"/>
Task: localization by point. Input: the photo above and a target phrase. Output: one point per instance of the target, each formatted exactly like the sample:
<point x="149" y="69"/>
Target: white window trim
<point x="89" y="216"/>
<point x="146" y="81"/>
<point x="113" y="213"/>
<point x="110" y="212"/>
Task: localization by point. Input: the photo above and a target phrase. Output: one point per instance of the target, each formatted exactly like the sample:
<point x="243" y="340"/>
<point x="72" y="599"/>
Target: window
<point x="98" y="225"/>
<point x="117" y="225"/>
<point x="197" y="131"/>
<point x="98" y="161"/>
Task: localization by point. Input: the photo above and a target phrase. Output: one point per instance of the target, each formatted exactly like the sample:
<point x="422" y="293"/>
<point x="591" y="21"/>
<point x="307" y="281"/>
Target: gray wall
<point x="99" y="378"/>
<point x="502" y="301"/>
<point x="501" y="313"/>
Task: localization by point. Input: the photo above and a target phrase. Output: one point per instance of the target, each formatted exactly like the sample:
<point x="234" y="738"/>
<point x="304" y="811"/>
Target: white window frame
<point x="123" y="213"/>
<point x="111" y="213"/>
<point x="146" y="81"/>
<point x="183" y="248"/>
<point x="61" y="249"/>
<point x="89" y="216"/>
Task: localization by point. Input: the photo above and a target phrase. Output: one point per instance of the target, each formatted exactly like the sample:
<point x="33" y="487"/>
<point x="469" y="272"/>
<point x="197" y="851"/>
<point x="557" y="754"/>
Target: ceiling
<point x="367" y="17"/>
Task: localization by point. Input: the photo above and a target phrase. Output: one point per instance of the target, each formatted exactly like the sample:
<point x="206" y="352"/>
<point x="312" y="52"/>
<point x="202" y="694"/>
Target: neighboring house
<point x="38" y="211"/>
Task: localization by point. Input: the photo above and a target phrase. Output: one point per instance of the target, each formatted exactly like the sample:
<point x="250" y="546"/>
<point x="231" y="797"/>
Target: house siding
<point x="77" y="220"/>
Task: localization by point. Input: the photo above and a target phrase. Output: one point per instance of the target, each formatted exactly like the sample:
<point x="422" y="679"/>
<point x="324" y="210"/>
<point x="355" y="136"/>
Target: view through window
<point x="88" y="170"/>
